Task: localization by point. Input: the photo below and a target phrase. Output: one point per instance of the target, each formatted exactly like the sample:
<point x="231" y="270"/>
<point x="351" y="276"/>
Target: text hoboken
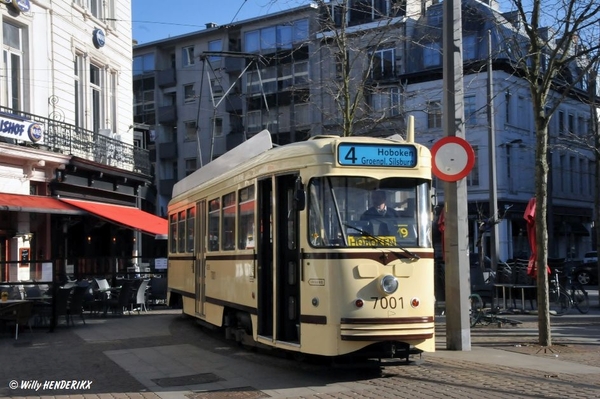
<point x="394" y="153"/>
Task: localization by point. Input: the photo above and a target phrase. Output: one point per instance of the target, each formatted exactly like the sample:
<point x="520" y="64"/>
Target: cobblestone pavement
<point x="82" y="353"/>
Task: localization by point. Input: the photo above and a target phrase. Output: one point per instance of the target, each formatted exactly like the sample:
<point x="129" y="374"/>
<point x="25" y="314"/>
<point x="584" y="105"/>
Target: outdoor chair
<point x="75" y="305"/>
<point x="62" y="304"/>
<point x="18" y="314"/>
<point x="158" y="290"/>
<point x="121" y="301"/>
<point x="139" y="300"/>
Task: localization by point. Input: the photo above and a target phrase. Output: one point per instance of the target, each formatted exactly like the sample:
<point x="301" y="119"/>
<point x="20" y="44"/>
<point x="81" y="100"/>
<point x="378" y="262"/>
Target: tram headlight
<point x="389" y="284"/>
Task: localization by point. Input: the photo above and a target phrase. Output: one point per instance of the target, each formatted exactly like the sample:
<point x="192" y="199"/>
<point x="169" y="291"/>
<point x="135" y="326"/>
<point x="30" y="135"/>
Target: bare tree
<point x="560" y="49"/>
<point x="356" y="59"/>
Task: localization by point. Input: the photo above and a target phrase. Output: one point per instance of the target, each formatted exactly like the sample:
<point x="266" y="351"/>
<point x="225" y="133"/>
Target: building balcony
<point x="167" y="115"/>
<point x="234" y="65"/>
<point x="167" y="150"/>
<point x="166" y="78"/>
<point x="69" y="139"/>
<point x="233" y="105"/>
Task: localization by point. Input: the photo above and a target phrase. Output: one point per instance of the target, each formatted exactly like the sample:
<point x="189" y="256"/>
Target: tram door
<point x="200" y="256"/>
<point x="278" y="260"/>
<point x="264" y="255"/>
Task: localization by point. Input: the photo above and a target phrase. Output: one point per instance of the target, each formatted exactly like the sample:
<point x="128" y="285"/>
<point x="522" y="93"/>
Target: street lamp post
<point x="493" y="222"/>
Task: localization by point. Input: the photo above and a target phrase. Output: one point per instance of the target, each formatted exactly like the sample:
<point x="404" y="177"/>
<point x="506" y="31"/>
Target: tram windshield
<point x="366" y="212"/>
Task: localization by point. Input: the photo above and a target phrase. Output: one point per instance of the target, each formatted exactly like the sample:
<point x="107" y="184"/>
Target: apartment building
<point x="203" y="93"/>
<point x="72" y="180"/>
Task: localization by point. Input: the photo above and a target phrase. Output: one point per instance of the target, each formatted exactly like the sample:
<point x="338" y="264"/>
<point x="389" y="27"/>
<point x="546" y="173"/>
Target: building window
<point x="215" y="46"/>
<point x="386" y="102"/>
<point x="470" y="110"/>
<point x="79" y="102"/>
<point x="473" y="177"/>
<point x="571" y="121"/>
<point x="582" y="173"/>
<point x="434" y="115"/>
<point x="95" y="7"/>
<point x="572" y="175"/>
<point x="523" y="120"/>
<point x="581" y="128"/>
<point x="302" y="114"/>
<point x="96" y="86"/>
<point x="187" y="56"/>
<point x="189" y="94"/>
<point x="112" y="98"/>
<point x="469" y="47"/>
<point x="143" y="64"/>
<point x="273" y="37"/>
<point x="253" y="121"/>
<point x="383" y="64"/>
<point x="432" y="55"/>
<point x="217" y="124"/>
<point x="561" y="123"/>
<point x="12" y="65"/>
<point x="300" y="33"/>
<point x="507" y="115"/>
<point x="190" y="130"/>
<point x="190" y="166"/>
<point x="300" y="72"/>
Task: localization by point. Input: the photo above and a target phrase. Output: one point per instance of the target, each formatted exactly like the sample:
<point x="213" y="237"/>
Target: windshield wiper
<point x="382" y="242"/>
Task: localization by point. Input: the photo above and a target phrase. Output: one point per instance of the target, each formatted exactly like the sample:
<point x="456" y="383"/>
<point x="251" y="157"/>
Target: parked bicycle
<point x="562" y="299"/>
<point x="478" y="314"/>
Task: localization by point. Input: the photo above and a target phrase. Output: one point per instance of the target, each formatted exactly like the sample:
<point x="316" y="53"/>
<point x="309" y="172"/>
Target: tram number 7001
<point x="385" y="302"/>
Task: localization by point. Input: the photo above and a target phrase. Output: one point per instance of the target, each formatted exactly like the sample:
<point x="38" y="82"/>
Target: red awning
<point x="36" y="204"/>
<point x="124" y="215"/>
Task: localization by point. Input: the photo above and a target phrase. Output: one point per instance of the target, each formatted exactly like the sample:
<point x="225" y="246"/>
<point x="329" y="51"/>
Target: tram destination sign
<point x="379" y="155"/>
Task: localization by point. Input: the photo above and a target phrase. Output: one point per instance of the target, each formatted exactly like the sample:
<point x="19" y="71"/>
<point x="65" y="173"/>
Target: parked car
<point x="586" y="273"/>
<point x="590" y="257"/>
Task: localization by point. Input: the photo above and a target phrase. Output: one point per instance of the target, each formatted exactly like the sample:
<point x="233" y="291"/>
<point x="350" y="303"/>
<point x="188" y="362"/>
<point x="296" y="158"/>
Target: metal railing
<point x="46" y="271"/>
<point x="69" y="139"/>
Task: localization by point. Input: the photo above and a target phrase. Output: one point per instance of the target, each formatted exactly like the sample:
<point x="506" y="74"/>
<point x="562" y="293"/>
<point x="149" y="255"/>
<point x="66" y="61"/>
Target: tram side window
<point x="214" y="207"/>
<point x="246" y="204"/>
<point x="228" y="220"/>
<point x="291" y="220"/>
<point x="191" y="217"/>
<point x="181" y="232"/>
<point x="173" y="233"/>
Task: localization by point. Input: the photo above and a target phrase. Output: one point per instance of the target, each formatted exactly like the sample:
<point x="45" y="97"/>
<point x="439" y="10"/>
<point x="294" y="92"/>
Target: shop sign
<point x="22" y="5"/>
<point x="28" y="131"/>
<point x="99" y="38"/>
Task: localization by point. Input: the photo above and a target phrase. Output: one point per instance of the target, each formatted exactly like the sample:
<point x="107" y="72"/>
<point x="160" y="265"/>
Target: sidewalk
<point x="162" y="354"/>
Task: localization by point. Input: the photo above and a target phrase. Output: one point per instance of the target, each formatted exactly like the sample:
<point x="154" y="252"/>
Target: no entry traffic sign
<point x="453" y="158"/>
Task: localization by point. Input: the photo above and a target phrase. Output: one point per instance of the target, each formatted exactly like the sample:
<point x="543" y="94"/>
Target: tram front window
<point x="348" y="212"/>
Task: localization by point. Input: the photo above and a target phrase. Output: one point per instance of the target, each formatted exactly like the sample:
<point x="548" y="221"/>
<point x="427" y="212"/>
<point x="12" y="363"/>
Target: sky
<point x="159" y="19"/>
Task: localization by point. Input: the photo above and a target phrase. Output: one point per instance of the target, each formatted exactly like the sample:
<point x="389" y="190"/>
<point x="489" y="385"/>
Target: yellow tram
<point x="284" y="247"/>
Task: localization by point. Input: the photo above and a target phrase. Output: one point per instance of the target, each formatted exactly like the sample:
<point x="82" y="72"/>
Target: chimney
<point x="211" y="25"/>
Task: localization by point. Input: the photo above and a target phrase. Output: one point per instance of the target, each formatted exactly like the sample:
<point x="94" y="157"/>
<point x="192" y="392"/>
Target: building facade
<point x="295" y="73"/>
<point x="67" y="134"/>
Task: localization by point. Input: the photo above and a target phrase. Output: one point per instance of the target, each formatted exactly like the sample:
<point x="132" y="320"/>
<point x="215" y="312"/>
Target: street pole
<point x="493" y="217"/>
<point x="456" y="239"/>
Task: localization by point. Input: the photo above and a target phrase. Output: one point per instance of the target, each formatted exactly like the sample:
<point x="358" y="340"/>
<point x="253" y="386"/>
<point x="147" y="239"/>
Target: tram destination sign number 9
<point x="377" y="155"/>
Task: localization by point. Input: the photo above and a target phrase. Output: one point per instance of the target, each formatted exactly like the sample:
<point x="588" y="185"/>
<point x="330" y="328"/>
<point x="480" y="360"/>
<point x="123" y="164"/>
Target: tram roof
<point x="259" y="149"/>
